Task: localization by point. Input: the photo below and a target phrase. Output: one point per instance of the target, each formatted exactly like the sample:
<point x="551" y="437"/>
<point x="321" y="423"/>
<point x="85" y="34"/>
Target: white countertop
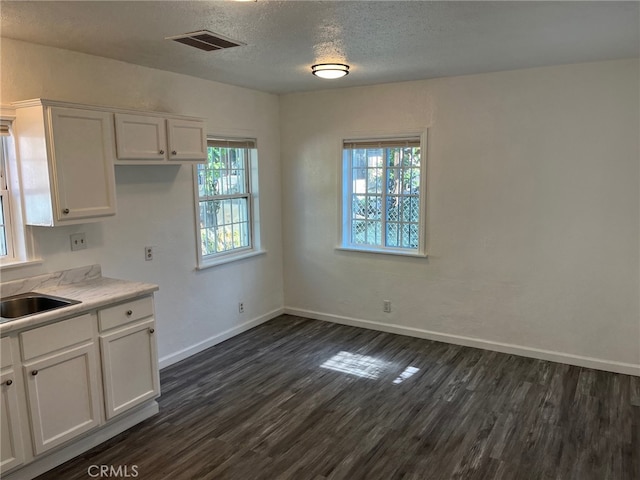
<point x="93" y="293"/>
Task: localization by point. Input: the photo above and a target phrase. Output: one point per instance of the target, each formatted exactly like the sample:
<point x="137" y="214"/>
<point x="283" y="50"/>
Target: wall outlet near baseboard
<point x="386" y="306"/>
<point x="241" y="307"/>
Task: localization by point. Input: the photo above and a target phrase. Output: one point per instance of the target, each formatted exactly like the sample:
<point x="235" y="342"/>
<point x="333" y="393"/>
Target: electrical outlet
<point x="240" y="307"/>
<point x="148" y="253"/>
<point x="386" y="306"/>
<point x="78" y="242"/>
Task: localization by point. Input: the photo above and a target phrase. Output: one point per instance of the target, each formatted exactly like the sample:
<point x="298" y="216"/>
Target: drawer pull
<point x="8" y="382"/>
<point x="161" y="152"/>
<point x="34" y="372"/>
<point x="151" y="330"/>
<point x="129" y="313"/>
<point x="65" y="211"/>
<point x="173" y="152"/>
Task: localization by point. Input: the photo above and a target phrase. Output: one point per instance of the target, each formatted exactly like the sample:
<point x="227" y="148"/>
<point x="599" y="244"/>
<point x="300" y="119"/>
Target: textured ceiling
<point x="382" y="41"/>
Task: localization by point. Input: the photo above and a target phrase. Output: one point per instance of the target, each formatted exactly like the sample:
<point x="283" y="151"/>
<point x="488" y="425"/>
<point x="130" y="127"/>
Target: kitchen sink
<point x="30" y="303"/>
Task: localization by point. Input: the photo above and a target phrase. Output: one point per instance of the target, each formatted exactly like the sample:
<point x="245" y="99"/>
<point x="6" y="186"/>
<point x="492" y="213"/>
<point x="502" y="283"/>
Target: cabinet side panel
<point x="34" y="168"/>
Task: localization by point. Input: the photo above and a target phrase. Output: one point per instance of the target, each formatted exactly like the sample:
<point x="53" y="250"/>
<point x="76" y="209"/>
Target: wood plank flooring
<point x="308" y="400"/>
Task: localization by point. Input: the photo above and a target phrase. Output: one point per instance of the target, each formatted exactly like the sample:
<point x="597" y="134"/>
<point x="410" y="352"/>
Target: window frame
<point x="21" y="247"/>
<point x="251" y="181"/>
<point x="5" y="203"/>
<point x="346" y="194"/>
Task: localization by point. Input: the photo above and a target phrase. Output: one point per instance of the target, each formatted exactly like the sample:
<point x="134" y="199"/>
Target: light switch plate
<point x="78" y="241"/>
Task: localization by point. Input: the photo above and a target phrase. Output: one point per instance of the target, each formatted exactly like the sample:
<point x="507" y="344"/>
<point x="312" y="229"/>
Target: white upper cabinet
<point x="187" y="140"/>
<point x="66" y="160"/>
<point x="151" y="140"/>
<point x="140" y="137"/>
<point x="67" y="152"/>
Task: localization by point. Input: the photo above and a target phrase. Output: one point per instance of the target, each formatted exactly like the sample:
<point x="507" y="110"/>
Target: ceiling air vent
<point x="206" y="40"/>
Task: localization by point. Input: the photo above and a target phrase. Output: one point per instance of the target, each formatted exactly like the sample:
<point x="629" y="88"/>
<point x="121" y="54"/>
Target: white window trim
<point x="5" y="201"/>
<point x="344" y="219"/>
<point x="23" y="244"/>
<point x="255" y="248"/>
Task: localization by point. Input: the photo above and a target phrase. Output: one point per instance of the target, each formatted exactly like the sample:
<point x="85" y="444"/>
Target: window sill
<point x="7" y="265"/>
<point x="229" y="258"/>
<point x="383" y="251"/>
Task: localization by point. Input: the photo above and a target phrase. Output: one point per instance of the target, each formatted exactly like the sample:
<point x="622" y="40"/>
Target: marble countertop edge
<point x="92" y="295"/>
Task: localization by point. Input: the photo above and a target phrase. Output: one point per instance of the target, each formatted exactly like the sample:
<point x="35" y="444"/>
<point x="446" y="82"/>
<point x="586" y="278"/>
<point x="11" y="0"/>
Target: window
<point x="383" y="201"/>
<point x="17" y="246"/>
<point x="225" y="201"/>
<point x="6" y="232"/>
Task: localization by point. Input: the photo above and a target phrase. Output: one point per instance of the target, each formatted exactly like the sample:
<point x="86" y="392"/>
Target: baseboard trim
<point x="577" y="360"/>
<point x="77" y="447"/>
<point x="221" y="337"/>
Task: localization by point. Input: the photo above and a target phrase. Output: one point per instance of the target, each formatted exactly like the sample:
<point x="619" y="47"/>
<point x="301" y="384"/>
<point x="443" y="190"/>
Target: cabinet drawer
<point x="50" y="338"/>
<point x="125" y="313"/>
<point x="5" y="352"/>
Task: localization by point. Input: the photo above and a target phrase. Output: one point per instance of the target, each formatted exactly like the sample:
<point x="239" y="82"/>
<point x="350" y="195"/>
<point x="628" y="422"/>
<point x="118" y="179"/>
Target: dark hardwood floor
<point x="308" y="400"/>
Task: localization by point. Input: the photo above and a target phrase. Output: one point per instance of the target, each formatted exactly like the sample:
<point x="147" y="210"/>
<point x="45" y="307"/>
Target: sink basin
<point x="30" y="303"/>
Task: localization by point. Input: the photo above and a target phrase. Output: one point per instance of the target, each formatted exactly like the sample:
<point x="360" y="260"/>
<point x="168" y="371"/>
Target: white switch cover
<point x="78" y="241"/>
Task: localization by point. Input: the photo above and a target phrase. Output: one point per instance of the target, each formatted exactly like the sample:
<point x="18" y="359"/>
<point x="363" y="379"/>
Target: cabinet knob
<point x="161" y="152"/>
<point x="65" y="211"/>
<point x="129" y="313"/>
<point x="8" y="382"/>
<point x="173" y="152"/>
<point x="151" y="330"/>
<point x="34" y="372"/>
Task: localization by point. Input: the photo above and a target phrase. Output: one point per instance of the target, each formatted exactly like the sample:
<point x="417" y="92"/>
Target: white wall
<point x="155" y="204"/>
<point x="532" y="216"/>
<point x="533" y="205"/>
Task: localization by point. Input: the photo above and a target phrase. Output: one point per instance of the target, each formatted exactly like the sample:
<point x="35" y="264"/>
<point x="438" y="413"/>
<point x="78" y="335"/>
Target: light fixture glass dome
<point x="330" y="70"/>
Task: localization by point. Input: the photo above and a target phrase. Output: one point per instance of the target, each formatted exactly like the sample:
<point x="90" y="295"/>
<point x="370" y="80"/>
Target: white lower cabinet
<point x="130" y="368"/>
<point x="73" y="376"/>
<point x="61" y="378"/>
<point x="62" y="392"/>
<point x="11" y="448"/>
<point x="11" y="441"/>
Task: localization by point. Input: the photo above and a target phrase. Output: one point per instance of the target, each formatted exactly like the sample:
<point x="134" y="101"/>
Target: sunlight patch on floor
<point x="409" y="371"/>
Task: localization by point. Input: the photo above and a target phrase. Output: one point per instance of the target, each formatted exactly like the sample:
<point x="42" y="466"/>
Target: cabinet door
<point x="130" y="367"/>
<point x="62" y="392"/>
<point x="139" y="137"/>
<point x="11" y="450"/>
<point x="187" y="140"/>
<point x="82" y="147"/>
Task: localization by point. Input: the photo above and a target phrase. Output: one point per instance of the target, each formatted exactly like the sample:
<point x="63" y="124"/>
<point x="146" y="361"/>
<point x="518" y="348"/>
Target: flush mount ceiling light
<point x="330" y="70"/>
